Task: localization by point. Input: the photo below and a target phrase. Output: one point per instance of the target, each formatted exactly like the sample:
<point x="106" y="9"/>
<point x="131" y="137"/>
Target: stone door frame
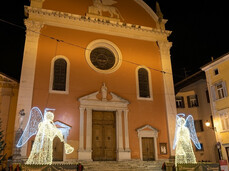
<point x="150" y="132"/>
<point x="119" y="106"/>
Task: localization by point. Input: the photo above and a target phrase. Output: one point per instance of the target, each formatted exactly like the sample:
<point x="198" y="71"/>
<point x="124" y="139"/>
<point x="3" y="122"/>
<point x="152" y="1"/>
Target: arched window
<point x="144" y="83"/>
<point x="59" y="75"/>
<point x="59" y="78"/>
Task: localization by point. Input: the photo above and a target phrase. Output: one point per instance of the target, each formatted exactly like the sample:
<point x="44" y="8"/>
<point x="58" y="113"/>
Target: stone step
<point x="133" y="165"/>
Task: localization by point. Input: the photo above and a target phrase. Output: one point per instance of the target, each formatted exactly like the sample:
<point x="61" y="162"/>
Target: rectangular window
<point x="219" y="90"/>
<point x="199" y="125"/>
<point x="216" y="71"/>
<point x="192" y="101"/>
<point x="180" y="102"/>
<point x="224" y="121"/>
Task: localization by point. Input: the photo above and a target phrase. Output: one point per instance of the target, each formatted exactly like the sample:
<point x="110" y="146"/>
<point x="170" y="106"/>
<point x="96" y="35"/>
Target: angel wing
<point x="32" y="126"/>
<point x="108" y="2"/>
<point x="190" y="125"/>
<point x="176" y="130"/>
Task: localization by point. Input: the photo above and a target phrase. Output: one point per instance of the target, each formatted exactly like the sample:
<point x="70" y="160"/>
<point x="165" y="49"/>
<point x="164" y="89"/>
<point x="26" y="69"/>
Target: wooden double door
<point x="103" y="136"/>
<point x="148" y="150"/>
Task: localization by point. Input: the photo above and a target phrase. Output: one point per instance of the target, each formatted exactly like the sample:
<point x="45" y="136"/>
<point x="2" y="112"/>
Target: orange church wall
<point x="80" y="7"/>
<point x="84" y="80"/>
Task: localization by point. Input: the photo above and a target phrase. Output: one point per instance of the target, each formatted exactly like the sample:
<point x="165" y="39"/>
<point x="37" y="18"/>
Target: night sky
<point x="199" y="32"/>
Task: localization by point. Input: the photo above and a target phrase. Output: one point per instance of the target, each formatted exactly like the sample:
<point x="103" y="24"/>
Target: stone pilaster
<point x="27" y="73"/>
<point x="168" y="90"/>
<point x="89" y="130"/>
<point x="81" y="137"/>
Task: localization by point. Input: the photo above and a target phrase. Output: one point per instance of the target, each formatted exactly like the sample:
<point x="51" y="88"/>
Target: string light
<point x="42" y="150"/>
<point x="185" y="132"/>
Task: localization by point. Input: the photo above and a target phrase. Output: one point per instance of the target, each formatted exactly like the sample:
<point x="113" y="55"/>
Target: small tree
<point x="2" y="143"/>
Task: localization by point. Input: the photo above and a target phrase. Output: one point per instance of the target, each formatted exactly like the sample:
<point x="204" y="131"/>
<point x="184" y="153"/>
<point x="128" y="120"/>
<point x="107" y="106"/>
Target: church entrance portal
<point x="103" y="136"/>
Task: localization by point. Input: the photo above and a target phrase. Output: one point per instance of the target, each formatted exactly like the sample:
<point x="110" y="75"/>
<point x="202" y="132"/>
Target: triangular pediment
<point x="5" y="81"/>
<point x="94" y="97"/>
<point x="147" y="128"/>
<point x="103" y="98"/>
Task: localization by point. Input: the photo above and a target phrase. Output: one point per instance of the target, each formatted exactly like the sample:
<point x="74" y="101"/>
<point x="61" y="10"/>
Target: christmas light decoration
<point x="31" y="128"/>
<point x="184" y="133"/>
<point x="42" y="149"/>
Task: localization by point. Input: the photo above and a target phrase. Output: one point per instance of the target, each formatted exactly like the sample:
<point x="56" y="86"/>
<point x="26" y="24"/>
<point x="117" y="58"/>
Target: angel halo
<point x="45" y="131"/>
<point x="184" y="133"/>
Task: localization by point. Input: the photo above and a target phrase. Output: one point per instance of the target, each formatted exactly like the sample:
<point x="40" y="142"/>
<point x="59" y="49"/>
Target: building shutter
<point x="183" y="105"/>
<point x="224" y="88"/>
<point x="189" y="103"/>
<point x="197" y="102"/>
<point x="213" y="93"/>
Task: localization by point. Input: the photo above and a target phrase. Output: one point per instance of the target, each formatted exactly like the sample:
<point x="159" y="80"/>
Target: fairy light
<point x="42" y="150"/>
<point x="185" y="132"/>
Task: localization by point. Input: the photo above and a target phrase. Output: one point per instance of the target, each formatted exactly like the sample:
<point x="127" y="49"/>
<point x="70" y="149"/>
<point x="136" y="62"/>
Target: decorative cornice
<point x="215" y="62"/>
<point x="84" y="23"/>
<point x="6" y="82"/>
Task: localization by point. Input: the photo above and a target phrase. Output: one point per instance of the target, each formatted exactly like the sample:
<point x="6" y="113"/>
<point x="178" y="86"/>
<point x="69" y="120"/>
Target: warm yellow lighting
<point x="207" y="123"/>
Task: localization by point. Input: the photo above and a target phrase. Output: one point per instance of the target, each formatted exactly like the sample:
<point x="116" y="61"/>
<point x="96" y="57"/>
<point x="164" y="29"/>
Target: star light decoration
<point x="45" y="131"/>
<point x="184" y="133"/>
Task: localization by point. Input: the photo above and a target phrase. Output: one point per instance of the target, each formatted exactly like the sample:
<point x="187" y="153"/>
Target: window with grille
<point x="219" y="90"/>
<point x="180" y="102"/>
<point x="59" y="77"/>
<point x="143" y="81"/>
<point x="192" y="101"/>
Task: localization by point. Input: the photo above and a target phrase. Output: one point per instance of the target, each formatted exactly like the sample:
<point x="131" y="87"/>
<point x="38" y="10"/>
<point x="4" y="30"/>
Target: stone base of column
<point x="124" y="155"/>
<point x="85" y="155"/>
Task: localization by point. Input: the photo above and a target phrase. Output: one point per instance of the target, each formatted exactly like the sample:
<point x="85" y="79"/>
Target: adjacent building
<point x="192" y="98"/>
<point x="217" y="74"/>
<point x="104" y="66"/>
<point x="8" y="104"/>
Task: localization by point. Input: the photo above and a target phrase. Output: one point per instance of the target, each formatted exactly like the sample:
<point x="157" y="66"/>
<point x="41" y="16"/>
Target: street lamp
<point x="208" y="124"/>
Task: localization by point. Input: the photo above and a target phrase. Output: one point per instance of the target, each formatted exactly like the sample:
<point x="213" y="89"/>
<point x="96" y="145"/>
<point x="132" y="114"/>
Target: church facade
<point x="104" y="66"/>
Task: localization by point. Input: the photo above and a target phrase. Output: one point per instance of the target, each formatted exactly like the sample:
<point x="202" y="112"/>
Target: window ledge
<point x="217" y="100"/>
<point x="224" y="131"/>
<point x="58" y="92"/>
<point x="145" y="98"/>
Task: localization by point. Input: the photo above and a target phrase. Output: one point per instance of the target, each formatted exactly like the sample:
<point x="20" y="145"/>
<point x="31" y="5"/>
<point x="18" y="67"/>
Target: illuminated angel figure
<point x="43" y="144"/>
<point x="185" y="132"/>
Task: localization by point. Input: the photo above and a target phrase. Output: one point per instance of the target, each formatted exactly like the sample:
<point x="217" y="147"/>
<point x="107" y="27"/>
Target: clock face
<point x="102" y="58"/>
